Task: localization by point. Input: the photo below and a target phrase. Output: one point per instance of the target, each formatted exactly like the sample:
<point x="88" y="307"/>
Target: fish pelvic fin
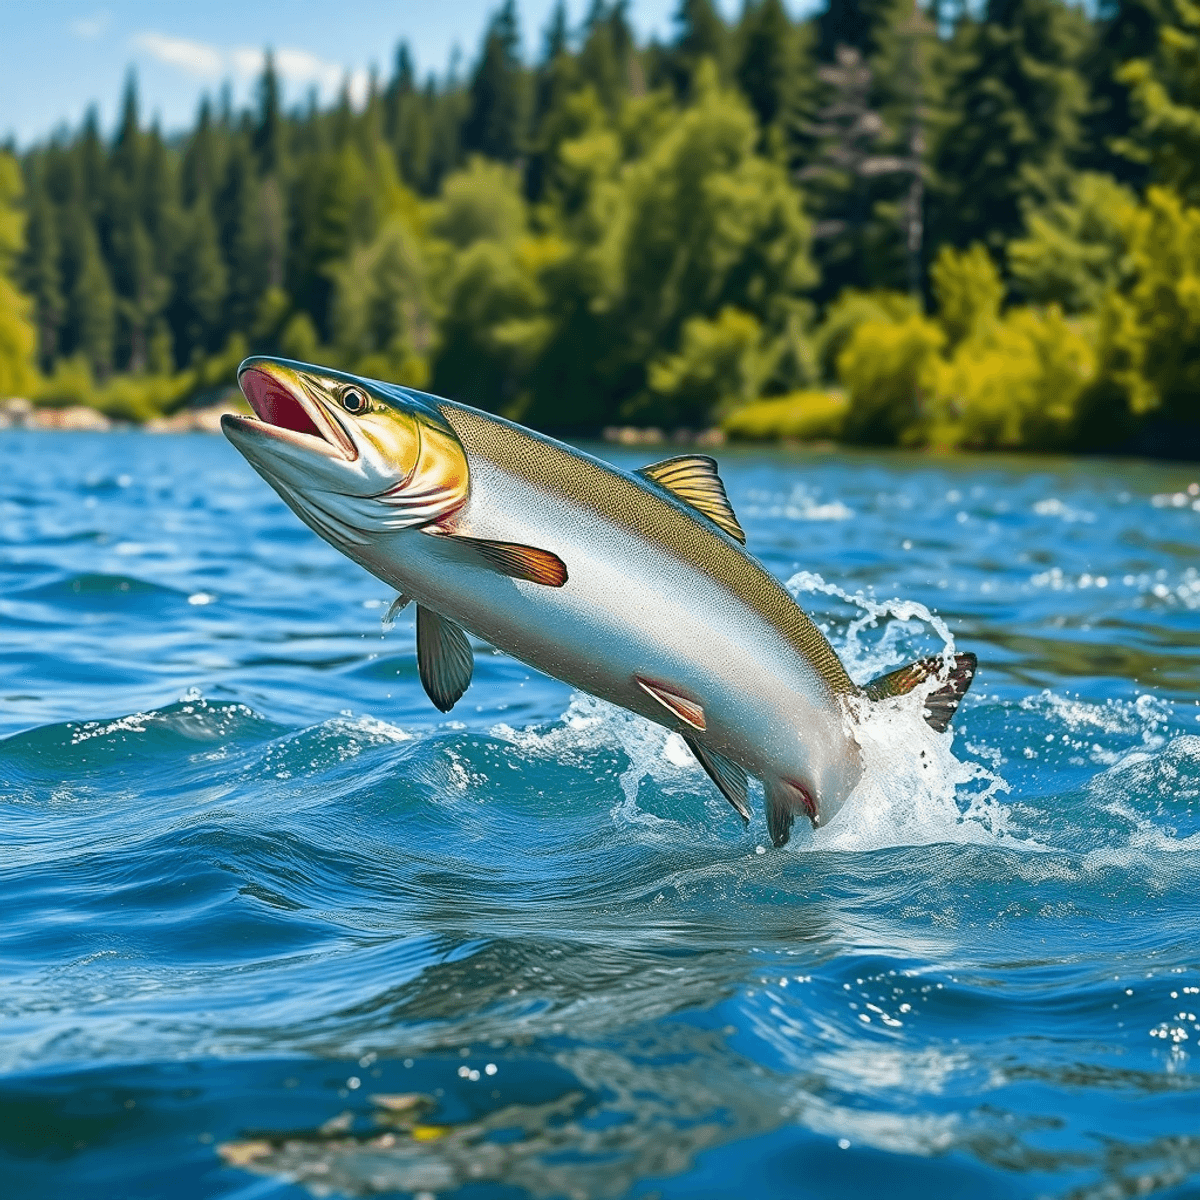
<point x="693" y="479"/>
<point x="687" y="710"/>
<point x="940" y="705"/>
<point x="396" y="607"/>
<point x="444" y="658"/>
<point x="514" y="560"/>
<point x="787" y="799"/>
<point x="726" y="774"/>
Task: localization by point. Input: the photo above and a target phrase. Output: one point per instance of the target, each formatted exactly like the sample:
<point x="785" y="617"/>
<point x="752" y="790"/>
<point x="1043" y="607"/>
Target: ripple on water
<point x="284" y="926"/>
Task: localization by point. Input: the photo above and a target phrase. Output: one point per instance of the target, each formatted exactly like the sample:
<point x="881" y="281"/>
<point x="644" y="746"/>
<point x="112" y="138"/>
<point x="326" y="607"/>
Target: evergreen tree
<point x="1126" y="30"/>
<point x="604" y="57"/>
<point x="268" y="128"/>
<point x="1013" y="127"/>
<point x="235" y="209"/>
<point x="406" y="123"/>
<point x="700" y="33"/>
<point x="854" y="24"/>
<point x="496" y="123"/>
<point x="91" y="303"/>
<point x="905" y="76"/>
<point x="133" y="217"/>
<point x="772" y="68"/>
<point x="847" y="133"/>
<point x="201" y="168"/>
<point x="1166" y="99"/>
<point x="41" y="275"/>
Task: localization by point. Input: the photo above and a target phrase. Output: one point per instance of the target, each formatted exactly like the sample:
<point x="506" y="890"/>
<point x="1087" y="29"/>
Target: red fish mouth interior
<point x="275" y="405"/>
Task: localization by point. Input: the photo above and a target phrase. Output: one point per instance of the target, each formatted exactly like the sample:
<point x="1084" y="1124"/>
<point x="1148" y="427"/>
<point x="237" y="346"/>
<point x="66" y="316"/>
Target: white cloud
<point x="196" y="58"/>
<point x="90" y="28"/>
<point x="298" y="69"/>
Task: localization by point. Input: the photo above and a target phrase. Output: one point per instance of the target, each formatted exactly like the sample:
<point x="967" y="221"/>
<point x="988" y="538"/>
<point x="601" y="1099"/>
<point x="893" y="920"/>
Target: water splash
<point x="900" y="620"/>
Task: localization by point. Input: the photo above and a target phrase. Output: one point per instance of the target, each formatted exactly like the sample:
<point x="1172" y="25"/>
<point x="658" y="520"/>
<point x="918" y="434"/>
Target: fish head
<point x="352" y="457"/>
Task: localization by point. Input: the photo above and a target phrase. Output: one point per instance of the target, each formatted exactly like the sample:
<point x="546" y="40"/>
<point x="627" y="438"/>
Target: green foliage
<point x="968" y="291"/>
<point x="1011" y="122"/>
<point x="719" y="365"/>
<point x="1015" y="383"/>
<point x="1075" y="250"/>
<point x="1149" y="342"/>
<point x="17" y="338"/>
<point x="852" y="309"/>
<point x="805" y="416"/>
<point x="890" y="369"/>
<point x="1165" y="93"/>
<point x="706" y="229"/>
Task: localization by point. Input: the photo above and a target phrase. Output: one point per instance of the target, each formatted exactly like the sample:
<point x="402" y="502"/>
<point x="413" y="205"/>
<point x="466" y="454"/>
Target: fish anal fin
<point x="940" y="705"/>
<point x="396" y="607"/>
<point x="514" y="560"/>
<point x="787" y="799"/>
<point x="693" y="479"/>
<point x="725" y="773"/>
<point x="444" y="658"/>
<point x="683" y="707"/>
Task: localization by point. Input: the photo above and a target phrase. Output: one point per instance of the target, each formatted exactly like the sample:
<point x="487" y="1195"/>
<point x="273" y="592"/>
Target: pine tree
<point x="905" y="79"/>
<point x="1165" y="93"/>
<point x="1014" y="106"/>
<point x="406" y="122"/>
<point x="854" y="24"/>
<point x="236" y="209"/>
<point x="771" y="68"/>
<point x="41" y="275"/>
<point x="700" y="33"/>
<point x="1126" y="30"/>
<point x="201" y="168"/>
<point x="268" y="128"/>
<point x="496" y="123"/>
<point x="604" y="57"/>
<point x="134" y="186"/>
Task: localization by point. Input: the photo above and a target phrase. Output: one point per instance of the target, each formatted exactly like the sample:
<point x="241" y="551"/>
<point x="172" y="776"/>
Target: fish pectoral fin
<point x="726" y="774"/>
<point x="785" y="799"/>
<point x="516" y="561"/>
<point x="396" y="607"/>
<point x="941" y="705"/>
<point x="693" y="479"/>
<point x="444" y="658"/>
<point x="686" y="709"/>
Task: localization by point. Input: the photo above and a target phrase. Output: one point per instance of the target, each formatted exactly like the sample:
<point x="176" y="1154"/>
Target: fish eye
<point x="355" y="401"/>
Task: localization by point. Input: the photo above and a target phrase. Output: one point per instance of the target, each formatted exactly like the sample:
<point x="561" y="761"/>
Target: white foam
<point x="864" y="661"/>
<point x="653" y="752"/>
<point x="915" y="790"/>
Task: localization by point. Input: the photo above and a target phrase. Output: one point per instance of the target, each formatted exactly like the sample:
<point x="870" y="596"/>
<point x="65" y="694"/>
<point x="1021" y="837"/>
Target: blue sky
<point x="56" y="58"/>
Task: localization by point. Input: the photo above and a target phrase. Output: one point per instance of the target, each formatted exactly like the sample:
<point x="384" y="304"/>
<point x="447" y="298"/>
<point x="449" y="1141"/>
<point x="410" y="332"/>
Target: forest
<point x="892" y="223"/>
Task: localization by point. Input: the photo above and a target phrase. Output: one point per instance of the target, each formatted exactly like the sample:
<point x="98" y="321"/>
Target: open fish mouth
<point x="286" y="411"/>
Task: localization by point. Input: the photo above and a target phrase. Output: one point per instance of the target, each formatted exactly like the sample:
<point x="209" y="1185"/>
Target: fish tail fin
<point x="941" y="704"/>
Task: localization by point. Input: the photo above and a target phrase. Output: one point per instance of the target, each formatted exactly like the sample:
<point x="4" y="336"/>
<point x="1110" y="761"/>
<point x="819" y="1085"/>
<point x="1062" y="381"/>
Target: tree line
<point x="895" y="222"/>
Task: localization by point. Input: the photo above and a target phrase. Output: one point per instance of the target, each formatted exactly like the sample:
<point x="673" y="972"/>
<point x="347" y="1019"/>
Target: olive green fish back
<point x="651" y="513"/>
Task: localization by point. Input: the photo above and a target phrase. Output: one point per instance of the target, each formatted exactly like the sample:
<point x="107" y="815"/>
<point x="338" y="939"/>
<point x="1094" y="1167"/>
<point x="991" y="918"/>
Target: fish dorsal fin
<point x="726" y="774"/>
<point x="514" y="560"/>
<point x="396" y="607"/>
<point x="693" y="479"/>
<point x="444" y="658"/>
<point x="686" y="709"/>
<point x="941" y="705"/>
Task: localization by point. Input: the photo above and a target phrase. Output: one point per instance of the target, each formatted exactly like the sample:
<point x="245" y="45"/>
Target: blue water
<point x="272" y="926"/>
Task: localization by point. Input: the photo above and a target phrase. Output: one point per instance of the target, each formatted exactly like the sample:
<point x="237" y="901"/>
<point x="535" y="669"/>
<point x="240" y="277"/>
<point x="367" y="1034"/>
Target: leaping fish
<point x="633" y="586"/>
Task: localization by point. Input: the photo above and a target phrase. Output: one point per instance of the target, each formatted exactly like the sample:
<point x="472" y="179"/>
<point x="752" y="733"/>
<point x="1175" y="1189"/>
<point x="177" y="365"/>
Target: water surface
<point x="275" y="927"/>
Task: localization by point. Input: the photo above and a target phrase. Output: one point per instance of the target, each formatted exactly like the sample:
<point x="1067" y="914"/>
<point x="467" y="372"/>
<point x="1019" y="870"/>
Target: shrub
<point x="806" y="416"/>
